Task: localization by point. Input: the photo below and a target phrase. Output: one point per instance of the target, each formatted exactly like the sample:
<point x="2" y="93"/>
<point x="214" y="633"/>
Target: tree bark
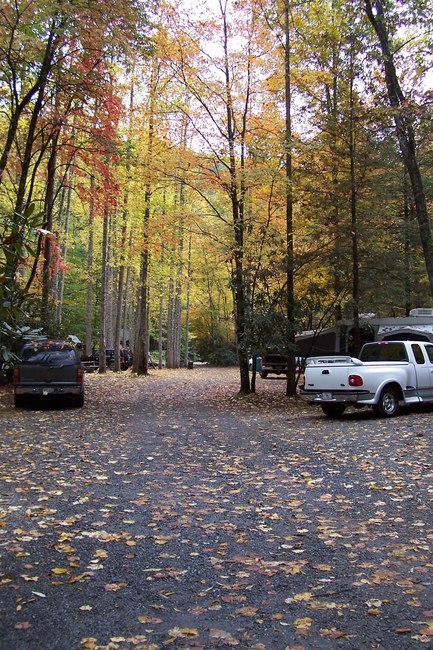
<point x="89" y="297"/>
<point x="103" y="313"/>
<point x="237" y="195"/>
<point x="290" y="284"/>
<point x="38" y="87"/>
<point x="403" y="119"/>
<point x="354" y="215"/>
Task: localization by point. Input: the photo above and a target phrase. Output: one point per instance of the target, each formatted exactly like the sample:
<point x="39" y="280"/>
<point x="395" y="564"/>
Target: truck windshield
<point x="386" y="351"/>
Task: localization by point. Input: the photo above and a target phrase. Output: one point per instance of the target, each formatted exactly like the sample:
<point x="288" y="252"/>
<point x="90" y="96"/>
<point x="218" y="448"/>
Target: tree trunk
<point x="120" y="289"/>
<point x="39" y="88"/>
<point x="103" y="311"/>
<point x="65" y="228"/>
<point x="89" y="297"/>
<point x="404" y="121"/>
<point x="141" y="354"/>
<point x="354" y="216"/>
<point x="408" y="214"/>
<point x="290" y="288"/>
<point x="237" y="204"/>
<point x="47" y="310"/>
<point x="188" y="300"/>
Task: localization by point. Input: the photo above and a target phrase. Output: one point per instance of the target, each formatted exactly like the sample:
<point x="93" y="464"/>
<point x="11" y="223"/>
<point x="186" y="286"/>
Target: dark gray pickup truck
<point x="273" y="362"/>
<point x="48" y="369"/>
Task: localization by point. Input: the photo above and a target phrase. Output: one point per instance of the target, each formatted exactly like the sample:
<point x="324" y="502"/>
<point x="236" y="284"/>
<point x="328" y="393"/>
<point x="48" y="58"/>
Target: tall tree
<point x="404" y="119"/>
<point x="290" y="280"/>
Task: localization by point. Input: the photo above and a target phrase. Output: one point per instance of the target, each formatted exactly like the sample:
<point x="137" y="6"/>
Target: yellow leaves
<point x="333" y="633"/>
<point x="59" y="571"/>
<point x="302" y="625"/>
<point x="301" y="597"/>
<point x="79" y="578"/>
<point x="377" y="486"/>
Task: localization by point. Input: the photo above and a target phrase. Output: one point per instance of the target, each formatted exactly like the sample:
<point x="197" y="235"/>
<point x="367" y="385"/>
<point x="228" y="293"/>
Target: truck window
<point x="429" y="350"/>
<point x="384" y="351"/>
<point x="417" y="353"/>
<point x="49" y="357"/>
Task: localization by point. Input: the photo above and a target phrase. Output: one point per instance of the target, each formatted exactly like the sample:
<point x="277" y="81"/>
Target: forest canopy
<point x="202" y="183"/>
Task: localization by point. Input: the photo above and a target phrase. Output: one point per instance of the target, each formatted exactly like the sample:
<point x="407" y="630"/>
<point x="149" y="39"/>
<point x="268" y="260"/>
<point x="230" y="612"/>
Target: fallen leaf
<point x="222" y="635"/>
<point x="115" y="586"/>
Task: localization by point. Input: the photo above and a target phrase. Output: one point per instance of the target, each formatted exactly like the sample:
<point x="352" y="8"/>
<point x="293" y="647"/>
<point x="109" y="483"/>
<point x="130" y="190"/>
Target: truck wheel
<point x="333" y="410"/>
<point x="19" y="401"/>
<point x="79" y="400"/>
<point x="387" y="405"/>
<point x="263" y="374"/>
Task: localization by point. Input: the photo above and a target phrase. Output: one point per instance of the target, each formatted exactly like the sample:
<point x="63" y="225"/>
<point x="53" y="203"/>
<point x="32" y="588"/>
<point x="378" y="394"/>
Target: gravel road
<point x="167" y="513"/>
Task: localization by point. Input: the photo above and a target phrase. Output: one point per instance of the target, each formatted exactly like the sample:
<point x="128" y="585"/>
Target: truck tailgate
<point x="47" y="374"/>
<point x="329" y="373"/>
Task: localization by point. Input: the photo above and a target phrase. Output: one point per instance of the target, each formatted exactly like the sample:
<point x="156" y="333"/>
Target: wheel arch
<point x="390" y="384"/>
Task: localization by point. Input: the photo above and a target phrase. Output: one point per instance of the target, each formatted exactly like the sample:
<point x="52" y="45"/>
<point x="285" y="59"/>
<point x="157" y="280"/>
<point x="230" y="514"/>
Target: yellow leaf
<point x="58" y="571"/>
<point x="306" y="595"/>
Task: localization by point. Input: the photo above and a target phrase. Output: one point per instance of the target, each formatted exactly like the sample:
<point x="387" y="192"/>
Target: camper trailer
<point x="418" y="326"/>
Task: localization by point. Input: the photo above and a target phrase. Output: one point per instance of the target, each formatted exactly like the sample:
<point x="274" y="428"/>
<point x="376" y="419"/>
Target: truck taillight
<point x="355" y="380"/>
<point x="16" y="376"/>
<point x="80" y="375"/>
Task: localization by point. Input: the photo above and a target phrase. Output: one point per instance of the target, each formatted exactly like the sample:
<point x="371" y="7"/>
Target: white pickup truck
<point x="387" y="374"/>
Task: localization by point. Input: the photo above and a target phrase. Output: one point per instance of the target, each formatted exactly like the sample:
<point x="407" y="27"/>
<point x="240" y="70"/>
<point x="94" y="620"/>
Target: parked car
<point x="48" y="369"/>
<point x="126" y="358"/>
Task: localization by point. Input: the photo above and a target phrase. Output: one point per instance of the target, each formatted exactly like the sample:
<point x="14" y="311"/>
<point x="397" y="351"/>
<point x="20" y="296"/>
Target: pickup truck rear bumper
<point x="39" y="391"/>
<point x="342" y="396"/>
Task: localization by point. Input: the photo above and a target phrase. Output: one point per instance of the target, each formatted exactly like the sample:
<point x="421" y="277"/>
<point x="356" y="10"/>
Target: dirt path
<point x="169" y="513"/>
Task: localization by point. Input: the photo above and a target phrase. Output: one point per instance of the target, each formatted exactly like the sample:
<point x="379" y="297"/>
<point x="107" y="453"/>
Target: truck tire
<point x="19" y="401"/>
<point x="263" y="374"/>
<point x="333" y="410"/>
<point x="79" y="400"/>
<point x="387" y="405"/>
